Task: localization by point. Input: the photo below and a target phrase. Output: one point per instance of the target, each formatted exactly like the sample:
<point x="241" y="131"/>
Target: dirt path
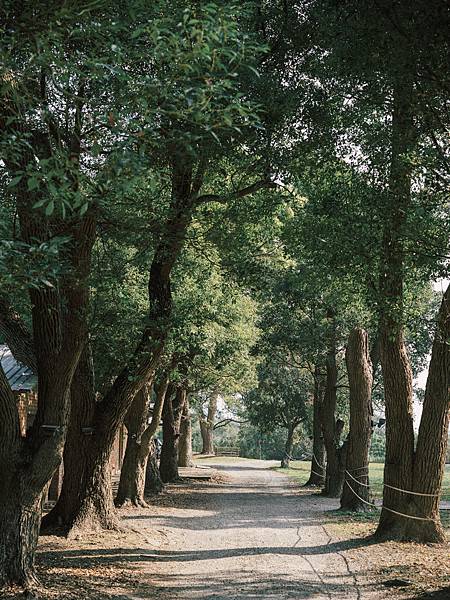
<point x="255" y="536"/>
<point x="252" y="537"/>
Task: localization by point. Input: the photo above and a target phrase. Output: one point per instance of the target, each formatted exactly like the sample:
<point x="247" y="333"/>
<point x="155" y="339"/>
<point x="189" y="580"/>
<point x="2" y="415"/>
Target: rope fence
<point x="367" y="485"/>
<point x="391" y="510"/>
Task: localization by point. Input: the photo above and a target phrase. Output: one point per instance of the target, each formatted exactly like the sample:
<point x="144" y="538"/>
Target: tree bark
<point x="288" y="447"/>
<point x="173" y="407"/>
<point x="207" y="425"/>
<point x="16" y="335"/>
<point x="396" y="369"/>
<point x="59" y="333"/>
<point x="331" y="434"/>
<point x="317" y="474"/>
<point x="139" y="445"/>
<point x="132" y="474"/>
<point x="78" y="458"/>
<point x="429" y="463"/>
<point x="359" y="370"/>
<point x="185" y="445"/>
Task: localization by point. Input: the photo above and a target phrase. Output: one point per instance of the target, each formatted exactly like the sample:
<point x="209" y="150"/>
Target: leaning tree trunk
<point x="396" y="369"/>
<point x="139" y="445"/>
<point x="185" y="445"/>
<point x="429" y="462"/>
<point x="334" y="475"/>
<point x="90" y="511"/>
<point x="355" y="493"/>
<point x="173" y="407"/>
<point x="317" y="474"/>
<point x="207" y="425"/>
<point x="289" y="444"/>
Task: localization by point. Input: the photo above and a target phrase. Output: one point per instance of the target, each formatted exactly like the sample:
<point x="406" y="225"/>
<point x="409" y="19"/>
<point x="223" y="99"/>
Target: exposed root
<point x="135" y="502"/>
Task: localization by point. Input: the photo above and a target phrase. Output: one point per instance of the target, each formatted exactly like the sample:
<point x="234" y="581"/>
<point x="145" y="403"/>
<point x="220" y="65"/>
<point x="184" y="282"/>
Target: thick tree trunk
<point x="173" y="407"/>
<point x="396" y="369"/>
<point x="334" y="473"/>
<point x="20" y="518"/>
<point x="317" y="474"/>
<point x="132" y="474"/>
<point x="24" y="474"/>
<point x="185" y="445"/>
<point x="207" y="425"/>
<point x="289" y="444"/>
<point x="79" y="455"/>
<point x="139" y="444"/>
<point x="429" y="460"/>
<point x="355" y="495"/>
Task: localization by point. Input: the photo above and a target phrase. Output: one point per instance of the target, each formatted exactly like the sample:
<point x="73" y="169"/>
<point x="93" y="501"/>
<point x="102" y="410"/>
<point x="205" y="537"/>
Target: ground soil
<point x="249" y="534"/>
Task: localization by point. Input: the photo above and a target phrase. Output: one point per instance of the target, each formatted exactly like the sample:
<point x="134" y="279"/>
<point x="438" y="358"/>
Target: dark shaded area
<point x="442" y="594"/>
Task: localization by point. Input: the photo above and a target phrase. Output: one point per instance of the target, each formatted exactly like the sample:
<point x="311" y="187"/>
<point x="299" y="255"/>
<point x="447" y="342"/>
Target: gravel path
<point x="252" y="537"/>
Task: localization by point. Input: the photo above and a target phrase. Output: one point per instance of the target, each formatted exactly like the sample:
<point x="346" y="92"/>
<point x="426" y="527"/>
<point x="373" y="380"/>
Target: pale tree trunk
<point x="359" y="370"/>
<point x="207" y="425"/>
<point x="288" y="447"/>
<point x="173" y="408"/>
<point x="396" y="369"/>
<point x="185" y="445"/>
<point x="139" y="444"/>
<point x="317" y="474"/>
<point x="331" y="434"/>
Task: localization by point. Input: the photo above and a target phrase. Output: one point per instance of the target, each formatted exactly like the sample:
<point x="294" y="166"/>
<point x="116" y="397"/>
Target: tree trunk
<point x="317" y="474"/>
<point x="207" y="425"/>
<point x="288" y="447"/>
<point x="331" y="434"/>
<point x="20" y="517"/>
<point x="185" y="445"/>
<point x="78" y="456"/>
<point x="132" y="474"/>
<point x="153" y="482"/>
<point x="396" y="369"/>
<point x="139" y="444"/>
<point x="359" y="370"/>
<point x="173" y="408"/>
<point x="93" y="507"/>
<point x="429" y="461"/>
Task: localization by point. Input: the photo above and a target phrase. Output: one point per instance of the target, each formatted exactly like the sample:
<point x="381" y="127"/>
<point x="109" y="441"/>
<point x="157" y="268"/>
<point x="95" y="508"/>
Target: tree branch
<point x="250" y="189"/>
<point x="16" y="335"/>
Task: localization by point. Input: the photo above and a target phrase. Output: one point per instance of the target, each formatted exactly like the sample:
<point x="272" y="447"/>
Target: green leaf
<point x="15" y="180"/>
<point x="32" y="184"/>
<point x="50" y="208"/>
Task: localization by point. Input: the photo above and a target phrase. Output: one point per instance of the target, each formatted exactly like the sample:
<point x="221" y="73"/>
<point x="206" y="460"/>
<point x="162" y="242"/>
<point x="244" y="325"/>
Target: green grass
<point x="299" y="470"/>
